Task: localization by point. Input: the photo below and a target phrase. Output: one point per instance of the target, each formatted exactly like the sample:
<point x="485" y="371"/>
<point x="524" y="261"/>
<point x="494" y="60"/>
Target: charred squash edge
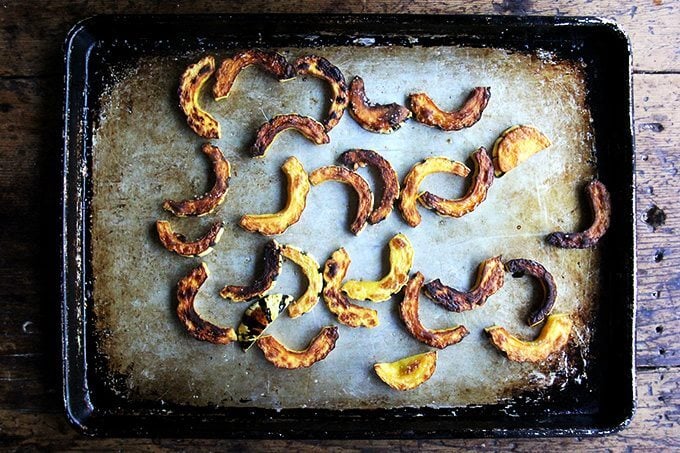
<point x="310" y="128"/>
<point x="522" y="266"/>
<point x="190" y="84"/>
<point x="321" y="68"/>
<point x="272" y="62"/>
<point x="272" y="267"/>
<point x="380" y="118"/>
<point x="177" y="243"/>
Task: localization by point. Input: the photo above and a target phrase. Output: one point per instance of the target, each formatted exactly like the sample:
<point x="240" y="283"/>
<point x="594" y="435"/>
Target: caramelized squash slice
<point x="409" y="191"/>
<point x="347" y="313"/>
<point x="408" y="310"/>
<point x="260" y="315"/>
<point x="321" y="68"/>
<point x="522" y="266"/>
<point x="427" y="112"/>
<point x="409" y="372"/>
<point x="282" y="357"/>
<point x="190" y="84"/>
<point x="359" y="184"/>
<point x="476" y="194"/>
<point x="553" y="338"/>
<point x="401" y="260"/>
<point x="203" y="330"/>
<point x="208" y="202"/>
<point x="308" y="127"/>
<point x="515" y="145"/>
<point x="272" y="62"/>
<point x="272" y="261"/>
<point x="380" y="118"/>
<point x="297" y="190"/>
<point x="310" y="268"/>
<point x="177" y="243"/>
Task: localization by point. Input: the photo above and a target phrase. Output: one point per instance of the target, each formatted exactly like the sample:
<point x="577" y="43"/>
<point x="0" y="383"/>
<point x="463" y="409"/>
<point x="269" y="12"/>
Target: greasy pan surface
<point x="101" y="401"/>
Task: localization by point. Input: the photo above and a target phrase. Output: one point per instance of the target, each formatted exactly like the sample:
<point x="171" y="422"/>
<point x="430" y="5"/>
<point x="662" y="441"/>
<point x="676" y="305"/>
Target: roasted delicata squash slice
<point x="321" y="68"/>
<point x="408" y="310"/>
<point x="308" y="127"/>
<point x="272" y="62"/>
<point x="519" y="267"/>
<point x="601" y="207"/>
<point x="490" y="278"/>
<point x="427" y="112"/>
<point x="297" y="190"/>
<point x="282" y="357"/>
<point x="515" y="145"/>
<point x="553" y="338"/>
<point x="347" y="313"/>
<point x="401" y="260"/>
<point x="272" y="261"/>
<point x="409" y="192"/>
<point x="355" y="158"/>
<point x="409" y="372"/>
<point x="310" y="268"/>
<point x="258" y="316"/>
<point x="380" y="118"/>
<point x="359" y="184"/>
<point x="208" y="202"/>
<point x="190" y="84"/>
<point x="203" y="330"/>
<point x="177" y="243"/>
<point x="482" y="179"/>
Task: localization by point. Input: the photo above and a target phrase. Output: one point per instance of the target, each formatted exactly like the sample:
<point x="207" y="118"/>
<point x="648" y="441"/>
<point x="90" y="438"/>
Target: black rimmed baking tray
<point x="600" y="404"/>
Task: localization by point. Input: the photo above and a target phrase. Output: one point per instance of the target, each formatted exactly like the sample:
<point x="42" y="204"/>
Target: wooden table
<point x="30" y="131"/>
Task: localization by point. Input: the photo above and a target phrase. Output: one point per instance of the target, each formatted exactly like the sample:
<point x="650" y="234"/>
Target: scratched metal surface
<point x="144" y="153"/>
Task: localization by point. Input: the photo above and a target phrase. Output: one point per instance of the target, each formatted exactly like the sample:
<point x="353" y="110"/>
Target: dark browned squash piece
<point x="177" y="243"/>
<point x="273" y="261"/>
<point x="308" y="127"/>
<point x="381" y="118"/>
<point x="272" y="62"/>
<point x="321" y="68"/>
<point x="427" y="112"/>
<point x="521" y="266"/>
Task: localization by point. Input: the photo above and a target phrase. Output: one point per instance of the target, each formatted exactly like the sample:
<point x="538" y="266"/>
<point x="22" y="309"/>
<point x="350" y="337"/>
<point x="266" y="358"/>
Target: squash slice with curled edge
<point x="409" y="372"/>
<point x="207" y="203"/>
<point x="177" y="243"/>
<point x="519" y="267"/>
<point x="190" y="84"/>
<point x="482" y="179"/>
<point x="554" y="337"/>
<point x="310" y="268"/>
<point x="401" y="260"/>
<point x="427" y="112"/>
<point x="321" y="68"/>
<point x="408" y="310"/>
<point x="230" y="68"/>
<point x="297" y="189"/>
<point x="260" y="315"/>
<point x="273" y="261"/>
<point x="347" y="313"/>
<point x="282" y="357"/>
<point x="380" y="118"/>
<point x="515" y="145"/>
<point x="409" y="191"/>
<point x="359" y="184"/>
<point x="308" y="127"/>
<point x="203" y="330"/>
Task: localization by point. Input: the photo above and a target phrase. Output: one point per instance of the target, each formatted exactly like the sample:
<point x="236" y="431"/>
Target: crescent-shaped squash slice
<point x="401" y="260"/>
<point x="409" y="191"/>
<point x="359" y="184"/>
<point x="272" y="261"/>
<point x="321" y="68"/>
<point x="490" y="278"/>
<point x="310" y="268"/>
<point x="482" y="179"/>
<point x="347" y="313"/>
<point x="177" y="243"/>
<point x="187" y="288"/>
<point x="258" y="316"/>
<point x="230" y="68"/>
<point x="408" y="310"/>
<point x="356" y="158"/>
<point x="190" y="84"/>
<point x="308" y="127"/>
<point x="601" y="207"/>
<point x="515" y="145"/>
<point x="297" y="190"/>
<point x="554" y="337"/>
<point x="409" y="372"/>
<point x="380" y="118"/>
<point x="208" y="202"/>
<point x="519" y="268"/>
<point x="427" y="112"/>
<point x="282" y="357"/>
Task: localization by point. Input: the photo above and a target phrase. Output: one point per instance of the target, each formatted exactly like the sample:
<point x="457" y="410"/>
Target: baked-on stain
<point x="601" y="207"/>
<point x="272" y="261"/>
<point x="356" y="158"/>
<point x="270" y="61"/>
<point x="208" y="202"/>
<point x="321" y="68"/>
<point x="317" y="350"/>
<point x="191" y="82"/>
<point x="519" y="267"/>
<point x="308" y="127"/>
<point x="425" y="111"/>
<point x="381" y="118"/>
<point x="655" y="217"/>
<point x="176" y="242"/>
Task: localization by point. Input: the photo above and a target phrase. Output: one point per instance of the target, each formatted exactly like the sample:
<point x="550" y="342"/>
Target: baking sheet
<point x="144" y="152"/>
